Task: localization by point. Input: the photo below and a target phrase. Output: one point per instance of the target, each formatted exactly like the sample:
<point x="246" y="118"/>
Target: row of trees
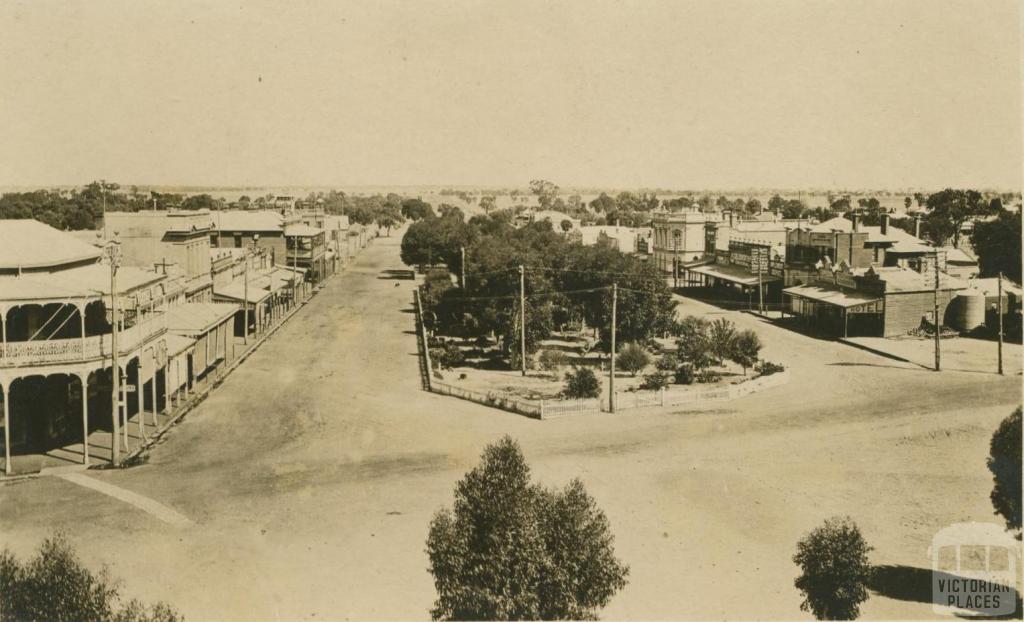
<point x="565" y="284"/>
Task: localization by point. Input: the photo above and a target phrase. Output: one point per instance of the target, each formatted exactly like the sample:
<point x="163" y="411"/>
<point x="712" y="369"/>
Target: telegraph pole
<point x="522" y="318"/>
<point x="115" y="369"/>
<point x="462" y="267"/>
<point x="760" y="286"/>
<point x="103" y="192"/>
<point x="999" y="313"/>
<point x="675" y="260"/>
<point x="611" y="375"/>
<point x="938" y="322"/>
<point x="245" y="305"/>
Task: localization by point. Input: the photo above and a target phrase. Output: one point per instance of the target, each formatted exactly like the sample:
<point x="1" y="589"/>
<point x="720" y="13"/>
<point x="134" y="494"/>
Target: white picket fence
<point x="673" y="397"/>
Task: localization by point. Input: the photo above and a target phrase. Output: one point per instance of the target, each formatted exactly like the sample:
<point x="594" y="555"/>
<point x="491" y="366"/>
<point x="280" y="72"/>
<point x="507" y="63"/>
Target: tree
<point x="545" y="191"/>
<point x="721" y="333"/>
<point x="487" y="202"/>
<point x="566" y="225"/>
<point x="693" y="343"/>
<point x="776" y="204"/>
<point x="581" y="383"/>
<point x="1004" y="462"/>
<point x="997" y="245"/>
<point x="907" y="202"/>
<point x="753" y="206"/>
<point x="54" y="585"/>
<point x="417" y="209"/>
<point x="603" y="204"/>
<point x="949" y="210"/>
<point x="510" y="549"/>
<point x="632" y="358"/>
<point x="835" y="569"/>
<point x="201" y="201"/>
<point x="793" y="209"/>
<point x="744" y="349"/>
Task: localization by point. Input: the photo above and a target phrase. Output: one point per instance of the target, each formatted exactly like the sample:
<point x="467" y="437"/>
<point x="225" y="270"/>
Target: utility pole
<point x="611" y="374"/>
<point x="999" y="313"/>
<point x="760" y="286"/>
<point x="113" y="252"/>
<point x="522" y="318"/>
<point x="295" y="271"/>
<point x="103" y="192"/>
<point x="245" y="304"/>
<point x="675" y="259"/>
<point x="462" y="267"/>
<point x="935" y="317"/>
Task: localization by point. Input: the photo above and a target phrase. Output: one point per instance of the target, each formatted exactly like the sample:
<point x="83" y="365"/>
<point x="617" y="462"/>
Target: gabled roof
<point x="32" y="244"/>
<point x="900" y="280"/>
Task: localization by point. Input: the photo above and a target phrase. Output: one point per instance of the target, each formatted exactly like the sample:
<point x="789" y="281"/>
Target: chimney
<point x="730" y="219"/>
<point x="856" y="222"/>
<point x="917" y="226"/>
<point x="885" y="224"/>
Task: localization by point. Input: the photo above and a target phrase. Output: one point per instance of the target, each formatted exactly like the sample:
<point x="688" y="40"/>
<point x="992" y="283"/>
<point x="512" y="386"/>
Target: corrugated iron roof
<point x="32" y="244"/>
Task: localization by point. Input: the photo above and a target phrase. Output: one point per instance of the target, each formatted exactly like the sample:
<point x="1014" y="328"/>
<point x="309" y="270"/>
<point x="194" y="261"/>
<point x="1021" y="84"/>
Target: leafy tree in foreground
<point x="54" y="585"/>
<point x="582" y="383"/>
<point x="510" y="549"/>
<point x="835" y="570"/>
<point x="632" y="358"/>
<point x="1005" y="464"/>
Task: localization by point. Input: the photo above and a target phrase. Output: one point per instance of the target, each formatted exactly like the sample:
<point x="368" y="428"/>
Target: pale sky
<point x="780" y="94"/>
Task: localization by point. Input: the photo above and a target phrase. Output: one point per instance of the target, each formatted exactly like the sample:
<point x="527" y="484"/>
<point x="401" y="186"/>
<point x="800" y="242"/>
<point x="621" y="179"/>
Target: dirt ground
<point x="311" y="475"/>
<point x="957" y="353"/>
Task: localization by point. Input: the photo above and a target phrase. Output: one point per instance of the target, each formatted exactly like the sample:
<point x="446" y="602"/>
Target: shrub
<point x="744" y="348"/>
<point x="707" y="376"/>
<point x="582" y="383"/>
<point x="632" y="358"/>
<point x="552" y="361"/>
<point x="54" y="585"/>
<point x="655" y="381"/>
<point x="767" y="368"/>
<point x="835" y="570"/>
<point x="1004" y="462"/>
<point x="684" y="374"/>
<point x="667" y="362"/>
<point x="448" y="356"/>
<point x="510" y="549"/>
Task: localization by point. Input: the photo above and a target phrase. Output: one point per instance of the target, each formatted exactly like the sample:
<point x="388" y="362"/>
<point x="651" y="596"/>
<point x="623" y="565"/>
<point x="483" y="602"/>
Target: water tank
<point x="968" y="311"/>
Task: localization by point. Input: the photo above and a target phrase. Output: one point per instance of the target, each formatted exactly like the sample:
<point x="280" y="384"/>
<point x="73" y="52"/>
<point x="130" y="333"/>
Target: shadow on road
<point x="915" y="584"/>
<point x="397" y="275"/>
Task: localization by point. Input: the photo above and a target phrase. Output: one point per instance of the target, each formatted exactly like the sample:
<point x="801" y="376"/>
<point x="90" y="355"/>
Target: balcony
<point x="56" y="351"/>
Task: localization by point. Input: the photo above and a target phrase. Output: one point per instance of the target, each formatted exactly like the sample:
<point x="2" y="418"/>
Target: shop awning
<point x="836" y="297"/>
<point x="235" y="291"/>
<point x="197" y="318"/>
<point x="176" y="344"/>
<point x="733" y="274"/>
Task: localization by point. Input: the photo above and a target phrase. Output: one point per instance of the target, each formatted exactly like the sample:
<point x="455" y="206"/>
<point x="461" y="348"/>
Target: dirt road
<point x="310" y="475"/>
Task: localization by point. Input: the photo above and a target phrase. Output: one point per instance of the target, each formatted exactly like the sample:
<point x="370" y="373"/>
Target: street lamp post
<point x="113" y="252"/>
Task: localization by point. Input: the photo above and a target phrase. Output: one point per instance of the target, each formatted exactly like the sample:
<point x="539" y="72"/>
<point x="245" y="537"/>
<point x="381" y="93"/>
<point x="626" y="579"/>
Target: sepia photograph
<point x="373" y="310"/>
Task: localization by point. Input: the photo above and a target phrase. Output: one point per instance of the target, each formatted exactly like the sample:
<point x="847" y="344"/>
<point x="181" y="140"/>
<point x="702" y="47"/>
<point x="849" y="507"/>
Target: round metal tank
<point x="968" y="311"/>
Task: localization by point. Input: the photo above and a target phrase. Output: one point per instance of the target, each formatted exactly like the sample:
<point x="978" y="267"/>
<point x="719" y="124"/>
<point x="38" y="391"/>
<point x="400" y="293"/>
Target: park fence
<point x="549" y="409"/>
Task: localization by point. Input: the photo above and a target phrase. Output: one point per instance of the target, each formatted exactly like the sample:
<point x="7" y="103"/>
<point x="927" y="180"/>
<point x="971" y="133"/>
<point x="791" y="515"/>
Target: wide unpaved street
<point x="311" y="474"/>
